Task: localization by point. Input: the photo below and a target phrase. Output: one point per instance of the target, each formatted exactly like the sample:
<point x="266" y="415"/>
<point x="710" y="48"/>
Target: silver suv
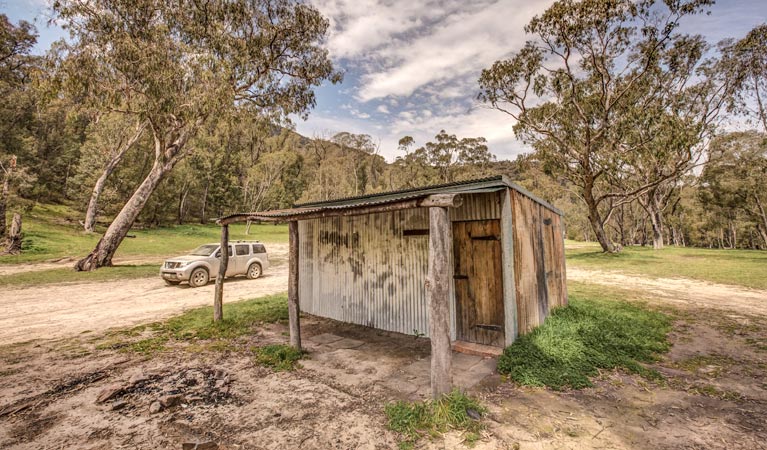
<point x="198" y="267"/>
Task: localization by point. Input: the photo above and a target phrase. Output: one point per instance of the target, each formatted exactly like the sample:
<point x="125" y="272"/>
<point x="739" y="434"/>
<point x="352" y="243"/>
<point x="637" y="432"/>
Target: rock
<point x="109" y="392"/>
<point x="137" y="378"/>
<point x="220" y="383"/>
<point x="119" y="404"/>
<point x="210" y="445"/>
<point x="473" y="413"/>
<point x="168" y="401"/>
<point x="155" y="407"/>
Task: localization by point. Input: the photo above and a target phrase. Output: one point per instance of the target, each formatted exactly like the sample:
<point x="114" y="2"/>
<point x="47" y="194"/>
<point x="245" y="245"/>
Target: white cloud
<point x="461" y="44"/>
<point x="358" y="26"/>
<point x="421" y="61"/>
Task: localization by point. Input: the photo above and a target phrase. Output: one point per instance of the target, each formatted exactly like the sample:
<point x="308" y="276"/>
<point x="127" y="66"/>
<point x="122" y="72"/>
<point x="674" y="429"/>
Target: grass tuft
<point x="279" y="357"/>
<point x="239" y="319"/>
<point x="593" y="332"/>
<point x="415" y="420"/>
<point x="196" y="326"/>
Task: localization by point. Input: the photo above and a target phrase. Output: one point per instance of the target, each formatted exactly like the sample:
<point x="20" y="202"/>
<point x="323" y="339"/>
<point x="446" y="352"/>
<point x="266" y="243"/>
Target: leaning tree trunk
<point x="98" y="188"/>
<point x="597" y="225"/>
<point x="13" y="242"/>
<point x="104" y="252"/>
<point x="93" y="203"/>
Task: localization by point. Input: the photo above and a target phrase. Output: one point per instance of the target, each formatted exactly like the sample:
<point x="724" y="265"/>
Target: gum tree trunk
<point x="98" y="188"/>
<point x="168" y="152"/>
<point x="107" y="246"/>
<point x="13" y="243"/>
<point x="597" y="225"/>
<point x="7" y="174"/>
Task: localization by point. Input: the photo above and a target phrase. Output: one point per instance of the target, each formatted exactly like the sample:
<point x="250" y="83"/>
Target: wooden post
<point x="294" y="308"/>
<point x="438" y="297"/>
<point x="218" y="301"/>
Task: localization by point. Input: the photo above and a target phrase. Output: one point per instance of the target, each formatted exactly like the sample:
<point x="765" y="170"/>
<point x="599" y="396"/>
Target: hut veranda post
<point x="471" y="265"/>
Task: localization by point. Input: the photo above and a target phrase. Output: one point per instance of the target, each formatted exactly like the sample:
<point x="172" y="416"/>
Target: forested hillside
<point x="100" y="135"/>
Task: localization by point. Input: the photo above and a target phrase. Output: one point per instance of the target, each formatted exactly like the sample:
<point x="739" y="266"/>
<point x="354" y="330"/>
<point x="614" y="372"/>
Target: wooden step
<point x="472" y="348"/>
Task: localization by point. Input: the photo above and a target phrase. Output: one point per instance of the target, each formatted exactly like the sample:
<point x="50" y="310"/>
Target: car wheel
<point x="254" y="271"/>
<point x="172" y="283"/>
<point x="199" y="277"/>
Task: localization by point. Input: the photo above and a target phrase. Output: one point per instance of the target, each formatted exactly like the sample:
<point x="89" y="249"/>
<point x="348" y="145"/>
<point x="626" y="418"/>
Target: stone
<point x="220" y="384"/>
<point x="210" y="445"/>
<point x="119" y="404"/>
<point x="137" y="378"/>
<point x="324" y="338"/>
<point x="400" y="385"/>
<point x="168" y="401"/>
<point x="346" y="343"/>
<point x="155" y="407"/>
<point x="109" y="392"/>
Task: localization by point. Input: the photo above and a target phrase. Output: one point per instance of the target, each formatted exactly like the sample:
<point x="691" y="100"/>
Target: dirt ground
<point x="55" y="311"/>
<point x="713" y="395"/>
<point x="680" y="292"/>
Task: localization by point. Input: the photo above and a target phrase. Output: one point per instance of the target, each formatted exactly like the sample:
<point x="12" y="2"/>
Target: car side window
<point x="241" y="250"/>
<point x="218" y="252"/>
<point x="259" y="248"/>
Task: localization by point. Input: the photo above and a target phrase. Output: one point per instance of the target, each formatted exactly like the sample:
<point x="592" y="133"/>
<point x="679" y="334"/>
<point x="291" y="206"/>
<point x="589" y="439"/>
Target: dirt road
<point x="55" y="311"/>
<point x="682" y="292"/>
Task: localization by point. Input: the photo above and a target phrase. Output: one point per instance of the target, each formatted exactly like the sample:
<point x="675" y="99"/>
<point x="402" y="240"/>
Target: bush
<point x="593" y="332"/>
<point x="433" y="417"/>
<point x="279" y="357"/>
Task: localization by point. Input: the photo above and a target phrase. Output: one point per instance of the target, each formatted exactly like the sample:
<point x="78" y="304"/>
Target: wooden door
<point x="478" y="276"/>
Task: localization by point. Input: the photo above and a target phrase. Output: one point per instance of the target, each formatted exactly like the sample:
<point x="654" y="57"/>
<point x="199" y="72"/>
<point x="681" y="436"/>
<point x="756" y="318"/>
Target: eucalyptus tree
<point x="110" y="138"/>
<point x="592" y="84"/>
<point x="17" y="106"/>
<point x="181" y="64"/>
<point x="446" y="159"/>
<point x="735" y="178"/>
<point x="746" y="61"/>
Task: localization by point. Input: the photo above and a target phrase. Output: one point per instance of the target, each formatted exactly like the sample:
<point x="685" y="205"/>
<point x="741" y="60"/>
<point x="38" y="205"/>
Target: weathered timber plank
<point x="294" y="309"/>
<point x="437" y="293"/>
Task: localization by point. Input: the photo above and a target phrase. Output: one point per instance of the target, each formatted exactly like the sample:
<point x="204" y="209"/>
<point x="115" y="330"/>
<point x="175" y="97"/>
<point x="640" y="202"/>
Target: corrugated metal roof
<point x="459" y="187"/>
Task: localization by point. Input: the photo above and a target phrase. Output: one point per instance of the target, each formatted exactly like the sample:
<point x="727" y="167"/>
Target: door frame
<point x="503" y="288"/>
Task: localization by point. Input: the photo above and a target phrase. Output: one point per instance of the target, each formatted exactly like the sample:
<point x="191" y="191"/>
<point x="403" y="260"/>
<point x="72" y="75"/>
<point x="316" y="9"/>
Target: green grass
<point x="739" y="267"/>
<point x="279" y="357"/>
<point x="68" y="275"/>
<point x="431" y="418"/>
<point x="53" y="232"/>
<point x="196" y="325"/>
<point x="595" y="331"/>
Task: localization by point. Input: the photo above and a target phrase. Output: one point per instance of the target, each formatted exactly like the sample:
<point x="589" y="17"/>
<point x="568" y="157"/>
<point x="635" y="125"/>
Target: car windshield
<point x="204" y="250"/>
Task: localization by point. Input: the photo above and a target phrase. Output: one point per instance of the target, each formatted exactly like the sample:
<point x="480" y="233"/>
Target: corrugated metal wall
<point x="365" y="270"/>
<point x="539" y="261"/>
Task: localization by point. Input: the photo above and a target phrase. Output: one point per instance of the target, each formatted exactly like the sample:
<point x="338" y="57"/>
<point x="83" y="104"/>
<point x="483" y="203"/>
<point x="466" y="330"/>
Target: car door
<point x="231" y="268"/>
<point x="241" y="256"/>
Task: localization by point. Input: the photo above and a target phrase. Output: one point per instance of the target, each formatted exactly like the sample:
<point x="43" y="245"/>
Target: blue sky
<point x="412" y="66"/>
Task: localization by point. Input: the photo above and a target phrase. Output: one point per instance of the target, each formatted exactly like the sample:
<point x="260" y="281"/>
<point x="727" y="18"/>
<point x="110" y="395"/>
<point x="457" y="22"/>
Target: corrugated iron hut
<point x="470" y="263"/>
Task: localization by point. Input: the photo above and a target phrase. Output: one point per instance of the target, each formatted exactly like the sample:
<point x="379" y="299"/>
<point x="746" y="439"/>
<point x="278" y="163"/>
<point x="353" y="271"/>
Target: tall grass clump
<point x="595" y="331"/>
<point x="431" y="418"/>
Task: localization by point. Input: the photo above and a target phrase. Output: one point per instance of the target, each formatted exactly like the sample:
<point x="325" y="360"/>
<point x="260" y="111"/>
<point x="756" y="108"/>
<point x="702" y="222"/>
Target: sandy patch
<point x="681" y="292"/>
<point x="55" y="311"/>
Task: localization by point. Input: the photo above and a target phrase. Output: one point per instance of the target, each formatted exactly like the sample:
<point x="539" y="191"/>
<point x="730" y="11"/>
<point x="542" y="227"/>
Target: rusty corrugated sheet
<point x="365" y="270"/>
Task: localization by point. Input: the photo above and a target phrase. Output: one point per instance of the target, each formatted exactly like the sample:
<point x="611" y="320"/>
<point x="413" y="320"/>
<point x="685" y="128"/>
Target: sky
<point x="411" y="66"/>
